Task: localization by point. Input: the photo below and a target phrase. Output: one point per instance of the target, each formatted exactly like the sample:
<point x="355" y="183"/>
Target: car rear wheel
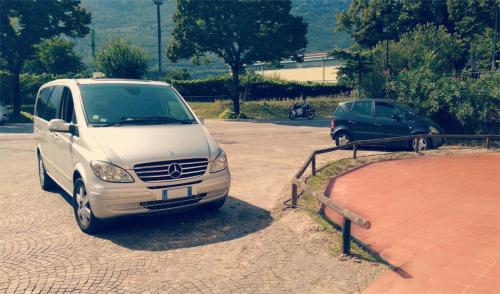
<point x="85" y="218"/>
<point x="343" y="138"/>
<point x="421" y="144"/>
<point x="46" y="181"/>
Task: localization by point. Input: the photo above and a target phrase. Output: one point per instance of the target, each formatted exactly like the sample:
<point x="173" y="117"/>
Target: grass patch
<point x="271" y="108"/>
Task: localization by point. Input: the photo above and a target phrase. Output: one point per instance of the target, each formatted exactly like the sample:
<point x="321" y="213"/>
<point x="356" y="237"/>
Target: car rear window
<point x="339" y="111"/>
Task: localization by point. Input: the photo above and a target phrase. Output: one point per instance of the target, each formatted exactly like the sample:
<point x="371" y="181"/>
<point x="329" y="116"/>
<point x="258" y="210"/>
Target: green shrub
<point x="228" y="114"/>
<point x="459" y="103"/>
<point x="27" y="115"/>
<point x="254" y="87"/>
<point x="122" y="59"/>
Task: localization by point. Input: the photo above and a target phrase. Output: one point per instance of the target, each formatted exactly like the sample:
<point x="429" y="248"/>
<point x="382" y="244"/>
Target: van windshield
<point x="120" y="104"/>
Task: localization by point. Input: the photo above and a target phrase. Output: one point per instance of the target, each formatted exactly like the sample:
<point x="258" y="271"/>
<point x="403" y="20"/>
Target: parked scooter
<point x="301" y="110"/>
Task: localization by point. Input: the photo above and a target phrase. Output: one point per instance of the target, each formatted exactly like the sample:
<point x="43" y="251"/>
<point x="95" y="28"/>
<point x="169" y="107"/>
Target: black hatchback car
<point x="378" y="118"/>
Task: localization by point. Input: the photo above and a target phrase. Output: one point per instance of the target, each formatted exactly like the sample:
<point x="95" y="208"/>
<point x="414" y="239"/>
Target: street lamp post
<point x="158" y="3"/>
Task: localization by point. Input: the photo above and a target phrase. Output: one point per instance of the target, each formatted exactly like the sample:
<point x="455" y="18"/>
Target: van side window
<point x="67" y="111"/>
<point x="53" y="105"/>
<point x="363" y="107"/>
<point x="42" y="101"/>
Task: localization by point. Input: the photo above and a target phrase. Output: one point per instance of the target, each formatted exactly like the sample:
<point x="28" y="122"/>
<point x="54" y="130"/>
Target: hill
<point x="135" y="20"/>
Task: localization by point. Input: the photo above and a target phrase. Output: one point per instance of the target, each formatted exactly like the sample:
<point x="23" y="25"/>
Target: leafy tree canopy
<point x="24" y="24"/>
<point x="239" y="32"/>
<point x="55" y="56"/>
<point x="122" y="59"/>
<point x="369" y="22"/>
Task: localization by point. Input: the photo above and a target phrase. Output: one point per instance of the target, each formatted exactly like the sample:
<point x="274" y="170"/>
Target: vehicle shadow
<point x="186" y="229"/>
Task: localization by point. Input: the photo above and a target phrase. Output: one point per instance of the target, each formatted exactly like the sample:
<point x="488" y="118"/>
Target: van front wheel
<point x="85" y="218"/>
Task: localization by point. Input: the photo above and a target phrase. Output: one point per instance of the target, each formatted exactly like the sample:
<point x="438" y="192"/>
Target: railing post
<point x="294" y="194"/>
<point x="354" y="151"/>
<point x="488" y="142"/>
<point x="346" y="237"/>
<point x="313" y="164"/>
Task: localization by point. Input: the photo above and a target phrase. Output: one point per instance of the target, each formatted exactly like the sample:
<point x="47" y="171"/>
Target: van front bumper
<point x="144" y="198"/>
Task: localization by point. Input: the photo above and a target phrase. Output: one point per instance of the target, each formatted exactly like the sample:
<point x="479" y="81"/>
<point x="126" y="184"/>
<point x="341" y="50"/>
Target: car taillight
<point x="333" y="122"/>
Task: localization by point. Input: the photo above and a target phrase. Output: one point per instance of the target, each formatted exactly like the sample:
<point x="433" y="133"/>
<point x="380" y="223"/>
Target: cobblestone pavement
<point x="238" y="249"/>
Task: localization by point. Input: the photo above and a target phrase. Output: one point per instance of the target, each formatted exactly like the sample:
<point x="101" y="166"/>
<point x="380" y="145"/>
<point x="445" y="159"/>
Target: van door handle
<point x="377" y="124"/>
<point x="351" y="122"/>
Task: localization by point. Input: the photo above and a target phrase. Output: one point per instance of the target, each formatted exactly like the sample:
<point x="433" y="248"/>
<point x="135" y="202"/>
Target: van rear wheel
<point x="46" y="181"/>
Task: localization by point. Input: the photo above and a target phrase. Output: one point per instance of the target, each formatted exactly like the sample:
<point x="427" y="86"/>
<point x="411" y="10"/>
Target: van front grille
<point x="171" y="170"/>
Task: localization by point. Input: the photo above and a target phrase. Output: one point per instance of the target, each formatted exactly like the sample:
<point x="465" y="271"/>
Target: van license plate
<point x="177" y="193"/>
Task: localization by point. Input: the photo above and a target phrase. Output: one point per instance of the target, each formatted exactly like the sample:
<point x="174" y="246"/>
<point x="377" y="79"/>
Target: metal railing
<point x="348" y="215"/>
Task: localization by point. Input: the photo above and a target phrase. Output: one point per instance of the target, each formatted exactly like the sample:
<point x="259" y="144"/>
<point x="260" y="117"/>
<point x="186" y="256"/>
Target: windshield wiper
<point x="146" y="120"/>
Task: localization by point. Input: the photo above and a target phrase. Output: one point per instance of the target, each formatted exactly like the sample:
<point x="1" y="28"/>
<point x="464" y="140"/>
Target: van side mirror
<point x="59" y="125"/>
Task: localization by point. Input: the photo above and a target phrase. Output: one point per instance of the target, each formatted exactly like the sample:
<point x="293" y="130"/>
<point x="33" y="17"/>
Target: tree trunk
<point x="235" y="91"/>
<point x="16" y="93"/>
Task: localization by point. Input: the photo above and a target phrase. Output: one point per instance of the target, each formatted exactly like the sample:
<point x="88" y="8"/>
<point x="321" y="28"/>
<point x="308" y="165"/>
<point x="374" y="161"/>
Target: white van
<point x="124" y="147"/>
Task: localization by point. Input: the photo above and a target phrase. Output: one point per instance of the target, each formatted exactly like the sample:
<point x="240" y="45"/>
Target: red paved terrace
<point x="436" y="218"/>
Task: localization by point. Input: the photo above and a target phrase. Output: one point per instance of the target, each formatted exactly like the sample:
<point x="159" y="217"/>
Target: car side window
<point x="42" y="101"/>
<point x="53" y="106"/>
<point x="67" y="111"/>
<point x="384" y="110"/>
<point x="362" y="107"/>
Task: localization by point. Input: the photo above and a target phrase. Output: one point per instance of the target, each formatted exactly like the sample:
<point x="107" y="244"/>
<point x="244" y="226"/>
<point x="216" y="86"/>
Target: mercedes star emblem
<point x="175" y="170"/>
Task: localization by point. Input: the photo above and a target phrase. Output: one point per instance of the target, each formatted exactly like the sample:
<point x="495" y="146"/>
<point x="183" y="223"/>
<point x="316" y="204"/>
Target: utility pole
<point x="158" y="3"/>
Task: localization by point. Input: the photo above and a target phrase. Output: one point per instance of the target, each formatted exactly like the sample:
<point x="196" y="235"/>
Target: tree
<point x="179" y="74"/>
<point x="122" y="59"/>
<point x="24" y="24"/>
<point x="357" y="63"/>
<point x="55" y="56"/>
<point x="366" y="20"/>
<point x="239" y="32"/>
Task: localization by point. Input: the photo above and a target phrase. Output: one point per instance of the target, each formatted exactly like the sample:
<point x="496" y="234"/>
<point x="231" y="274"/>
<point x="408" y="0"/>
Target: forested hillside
<point x="135" y="20"/>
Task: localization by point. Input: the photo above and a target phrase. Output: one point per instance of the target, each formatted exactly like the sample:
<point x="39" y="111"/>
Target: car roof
<point x="103" y="81"/>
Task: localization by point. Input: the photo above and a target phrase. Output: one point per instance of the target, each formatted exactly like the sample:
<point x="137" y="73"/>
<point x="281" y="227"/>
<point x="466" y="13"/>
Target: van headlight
<point x="220" y="163"/>
<point x="433" y="130"/>
<point x="110" y="173"/>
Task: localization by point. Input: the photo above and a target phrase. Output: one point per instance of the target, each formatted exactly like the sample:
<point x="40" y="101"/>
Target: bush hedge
<point x="253" y="87"/>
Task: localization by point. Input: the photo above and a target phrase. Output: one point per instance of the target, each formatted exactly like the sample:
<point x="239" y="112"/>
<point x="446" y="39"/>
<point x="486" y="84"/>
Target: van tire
<point x="46" y="181"/>
<point x="84" y="216"/>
